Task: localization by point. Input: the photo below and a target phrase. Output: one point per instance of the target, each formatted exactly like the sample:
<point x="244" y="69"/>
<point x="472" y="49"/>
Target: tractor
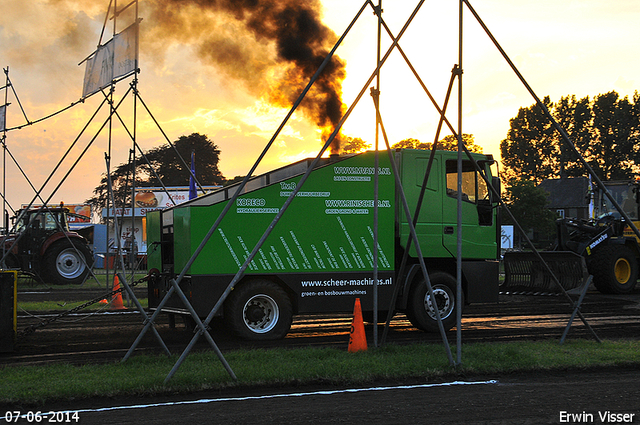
<point x="605" y="245"/>
<point x="41" y="244"/>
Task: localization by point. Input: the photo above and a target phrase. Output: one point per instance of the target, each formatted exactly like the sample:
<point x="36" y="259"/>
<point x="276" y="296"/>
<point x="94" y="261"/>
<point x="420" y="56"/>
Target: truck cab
<point x="319" y="256"/>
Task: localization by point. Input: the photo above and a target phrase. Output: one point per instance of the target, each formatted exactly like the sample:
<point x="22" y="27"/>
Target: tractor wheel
<point x="420" y="310"/>
<point x="63" y="264"/>
<point x="614" y="269"/>
<point x="258" y="310"/>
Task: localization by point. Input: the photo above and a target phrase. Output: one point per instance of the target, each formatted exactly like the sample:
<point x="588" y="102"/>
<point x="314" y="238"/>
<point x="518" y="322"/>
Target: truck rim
<point x="261" y="313"/>
<point x="444" y="301"/>
<point x="622" y="269"/>
<point x="68" y="263"/>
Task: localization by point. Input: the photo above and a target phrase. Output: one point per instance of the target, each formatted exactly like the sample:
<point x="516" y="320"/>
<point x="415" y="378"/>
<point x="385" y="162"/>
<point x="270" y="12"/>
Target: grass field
<point x="145" y="375"/>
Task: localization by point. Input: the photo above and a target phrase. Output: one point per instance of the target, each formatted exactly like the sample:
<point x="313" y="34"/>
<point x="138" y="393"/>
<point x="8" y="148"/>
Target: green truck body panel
<point x="321" y="250"/>
<point x="328" y="227"/>
<point x="154" y="239"/>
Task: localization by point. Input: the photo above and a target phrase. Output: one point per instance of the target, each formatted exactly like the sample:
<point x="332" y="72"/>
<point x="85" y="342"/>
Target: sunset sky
<point x="581" y="47"/>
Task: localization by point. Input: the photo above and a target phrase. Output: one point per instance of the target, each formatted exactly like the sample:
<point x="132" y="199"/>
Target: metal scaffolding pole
<point x="293" y="193"/>
<point x="414" y="236"/>
<point x="459" y="200"/>
<point x="375" y="92"/>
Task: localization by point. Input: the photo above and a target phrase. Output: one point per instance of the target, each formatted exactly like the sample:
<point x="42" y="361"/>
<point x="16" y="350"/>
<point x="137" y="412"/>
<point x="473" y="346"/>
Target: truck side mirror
<point x="495" y="183"/>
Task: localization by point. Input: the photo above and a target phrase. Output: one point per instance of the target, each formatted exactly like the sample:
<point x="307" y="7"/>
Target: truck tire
<point x="614" y="269"/>
<point x="419" y="310"/>
<point x="63" y="265"/>
<point x="258" y="310"/>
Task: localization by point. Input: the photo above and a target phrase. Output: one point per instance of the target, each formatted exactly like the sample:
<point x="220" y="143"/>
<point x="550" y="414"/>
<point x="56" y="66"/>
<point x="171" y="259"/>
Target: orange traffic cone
<point x="117" y="304"/>
<point x="357" y="339"/>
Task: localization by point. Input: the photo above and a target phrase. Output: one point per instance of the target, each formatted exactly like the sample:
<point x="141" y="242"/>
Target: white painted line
<point x="265" y="397"/>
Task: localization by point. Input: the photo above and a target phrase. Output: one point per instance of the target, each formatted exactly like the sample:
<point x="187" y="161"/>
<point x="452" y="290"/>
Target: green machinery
<point x="319" y="256"/>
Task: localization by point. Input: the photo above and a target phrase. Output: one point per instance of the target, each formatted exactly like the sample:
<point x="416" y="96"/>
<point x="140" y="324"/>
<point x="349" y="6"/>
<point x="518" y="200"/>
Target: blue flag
<point x="192" y="183"/>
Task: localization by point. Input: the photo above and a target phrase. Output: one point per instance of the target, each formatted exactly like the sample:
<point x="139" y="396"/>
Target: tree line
<point x="168" y="163"/>
<point x="605" y="130"/>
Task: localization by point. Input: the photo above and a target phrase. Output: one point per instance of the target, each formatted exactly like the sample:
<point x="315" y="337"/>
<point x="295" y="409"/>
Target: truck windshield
<point x="473" y="188"/>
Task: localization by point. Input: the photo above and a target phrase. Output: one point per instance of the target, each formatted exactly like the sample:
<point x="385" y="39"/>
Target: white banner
<point x="3" y="123"/>
<point x="125" y="52"/>
<point x="116" y="58"/>
<point x="99" y="70"/>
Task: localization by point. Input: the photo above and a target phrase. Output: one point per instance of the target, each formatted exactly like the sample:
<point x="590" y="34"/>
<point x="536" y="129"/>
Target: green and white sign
<point x="327" y="228"/>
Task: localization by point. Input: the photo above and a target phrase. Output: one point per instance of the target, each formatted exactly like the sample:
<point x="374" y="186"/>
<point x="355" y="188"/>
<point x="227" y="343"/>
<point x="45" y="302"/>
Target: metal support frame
<point x="45" y="202"/>
<point x="576" y="307"/>
<point x="457" y="71"/>
<point x="416" y="214"/>
<point x="202" y="325"/>
<point x="121" y="275"/>
<point x="569" y="142"/>
<point x="375" y="94"/>
<point x="555" y="123"/>
<point x="461" y="147"/>
<point x="498" y="197"/>
<point x="113" y="110"/>
<point x="414" y="236"/>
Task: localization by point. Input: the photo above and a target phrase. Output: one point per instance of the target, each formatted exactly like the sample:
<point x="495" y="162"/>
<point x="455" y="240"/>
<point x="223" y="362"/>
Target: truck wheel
<point x="63" y="264"/>
<point x="258" y="310"/>
<point x="420" y="311"/>
<point x="614" y="269"/>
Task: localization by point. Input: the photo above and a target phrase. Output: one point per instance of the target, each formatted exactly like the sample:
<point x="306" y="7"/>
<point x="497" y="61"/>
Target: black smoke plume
<point x="273" y="46"/>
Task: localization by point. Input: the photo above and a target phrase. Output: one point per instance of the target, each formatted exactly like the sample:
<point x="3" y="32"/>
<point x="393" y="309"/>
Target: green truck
<point x="319" y="256"/>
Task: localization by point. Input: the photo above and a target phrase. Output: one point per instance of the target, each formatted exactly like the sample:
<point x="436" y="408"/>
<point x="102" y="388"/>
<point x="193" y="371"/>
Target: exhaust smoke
<point x="272" y="46"/>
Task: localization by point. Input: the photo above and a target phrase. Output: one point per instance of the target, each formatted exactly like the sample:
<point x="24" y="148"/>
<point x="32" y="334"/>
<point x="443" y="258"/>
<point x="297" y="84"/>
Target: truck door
<point x="478" y="226"/>
<point x="429" y="226"/>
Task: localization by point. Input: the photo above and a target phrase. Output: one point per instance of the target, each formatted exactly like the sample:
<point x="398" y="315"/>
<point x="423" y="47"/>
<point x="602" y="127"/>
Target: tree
<point x="448" y="143"/>
<point x="354" y="145"/>
<point x="120" y="183"/>
<point x="605" y="131"/>
<point x="168" y="166"/>
<point x="236" y="179"/>
<point x="409" y="144"/>
<point x="528" y="204"/>
<point x="171" y="169"/>
<point x="529" y="149"/>
<point x="613" y="125"/>
<point x="575" y="117"/>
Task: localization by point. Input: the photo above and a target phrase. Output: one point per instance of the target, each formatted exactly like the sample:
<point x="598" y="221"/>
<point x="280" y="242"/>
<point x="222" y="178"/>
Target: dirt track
<point x="539" y="398"/>
<point x="108" y="335"/>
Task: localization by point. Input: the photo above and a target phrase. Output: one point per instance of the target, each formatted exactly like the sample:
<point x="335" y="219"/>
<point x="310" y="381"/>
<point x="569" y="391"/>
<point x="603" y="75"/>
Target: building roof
<point x="567" y="192"/>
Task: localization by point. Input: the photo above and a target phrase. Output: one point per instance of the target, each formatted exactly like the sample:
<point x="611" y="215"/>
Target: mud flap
<point x="524" y="272"/>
